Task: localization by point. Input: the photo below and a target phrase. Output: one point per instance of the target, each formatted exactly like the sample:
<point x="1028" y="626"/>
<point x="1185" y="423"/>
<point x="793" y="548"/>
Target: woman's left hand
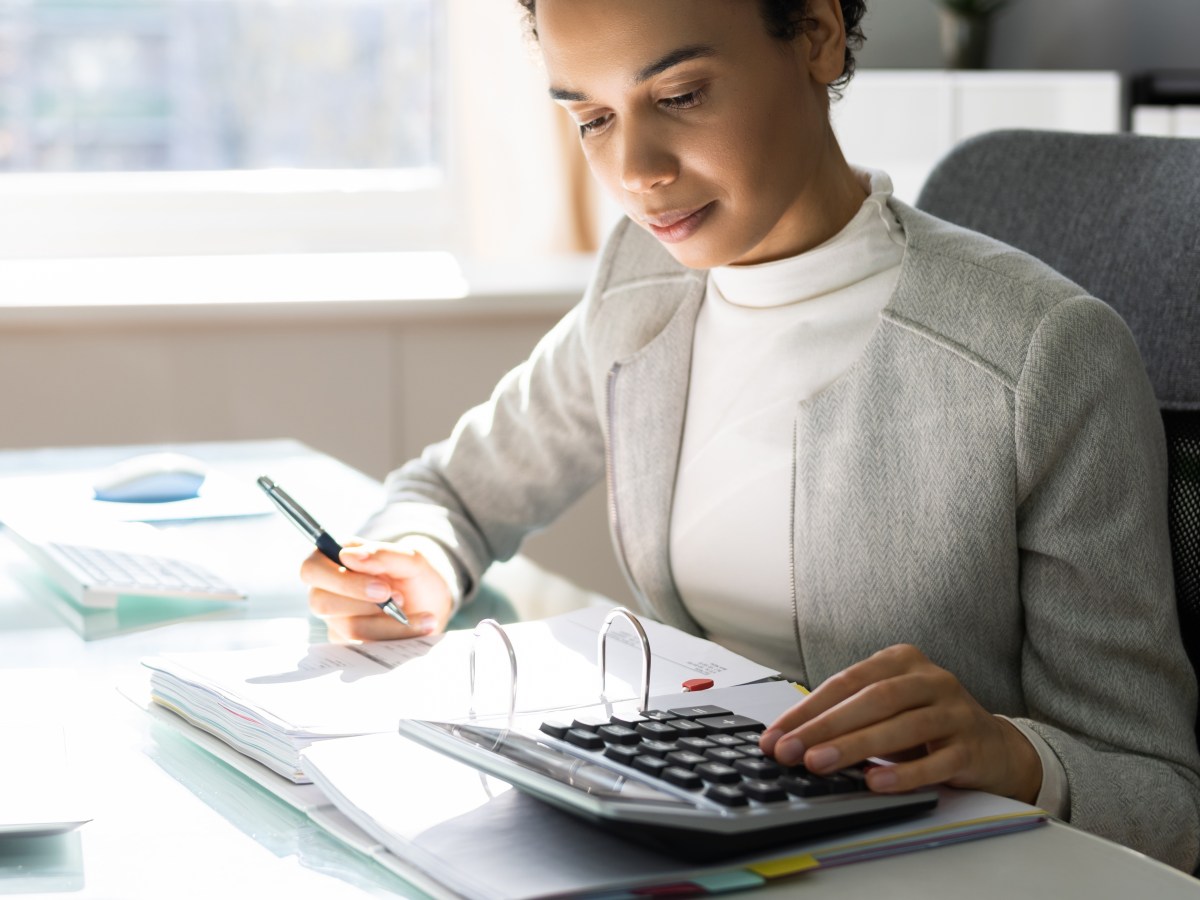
<point x="897" y="704"/>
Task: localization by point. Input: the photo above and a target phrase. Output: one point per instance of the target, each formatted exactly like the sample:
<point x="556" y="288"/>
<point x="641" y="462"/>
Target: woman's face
<point x="710" y="133"/>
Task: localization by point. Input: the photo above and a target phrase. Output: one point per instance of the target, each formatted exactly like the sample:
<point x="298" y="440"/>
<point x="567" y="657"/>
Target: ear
<point x="825" y="36"/>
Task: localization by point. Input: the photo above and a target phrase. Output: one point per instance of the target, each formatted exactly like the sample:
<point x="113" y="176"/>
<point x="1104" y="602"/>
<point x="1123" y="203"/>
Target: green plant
<point x="971" y="8"/>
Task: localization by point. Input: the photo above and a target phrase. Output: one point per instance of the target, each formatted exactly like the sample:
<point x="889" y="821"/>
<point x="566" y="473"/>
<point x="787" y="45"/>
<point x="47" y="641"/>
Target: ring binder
<point x="622" y="613"/>
<point x="512" y="665"/>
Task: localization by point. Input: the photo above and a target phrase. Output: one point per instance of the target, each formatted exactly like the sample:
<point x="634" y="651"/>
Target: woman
<point x="903" y="463"/>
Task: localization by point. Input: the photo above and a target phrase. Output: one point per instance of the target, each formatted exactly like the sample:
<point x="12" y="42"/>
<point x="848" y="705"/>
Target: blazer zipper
<point x="610" y="476"/>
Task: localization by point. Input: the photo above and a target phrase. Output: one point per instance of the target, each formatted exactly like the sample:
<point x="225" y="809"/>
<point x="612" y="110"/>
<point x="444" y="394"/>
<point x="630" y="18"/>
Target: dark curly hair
<point x="784" y="19"/>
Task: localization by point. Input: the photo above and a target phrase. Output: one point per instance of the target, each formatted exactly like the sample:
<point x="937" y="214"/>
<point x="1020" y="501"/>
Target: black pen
<point x="318" y="535"/>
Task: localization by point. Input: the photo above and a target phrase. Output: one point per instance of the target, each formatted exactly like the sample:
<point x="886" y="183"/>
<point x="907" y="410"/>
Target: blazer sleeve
<point x="1106" y="679"/>
<point x="510" y="466"/>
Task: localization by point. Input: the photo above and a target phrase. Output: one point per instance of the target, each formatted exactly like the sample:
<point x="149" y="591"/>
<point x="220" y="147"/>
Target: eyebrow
<point x="660" y="65"/>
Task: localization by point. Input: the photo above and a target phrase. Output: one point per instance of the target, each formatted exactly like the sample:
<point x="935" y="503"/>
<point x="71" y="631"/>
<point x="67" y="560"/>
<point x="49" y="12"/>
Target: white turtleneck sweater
<point x="767" y="337"/>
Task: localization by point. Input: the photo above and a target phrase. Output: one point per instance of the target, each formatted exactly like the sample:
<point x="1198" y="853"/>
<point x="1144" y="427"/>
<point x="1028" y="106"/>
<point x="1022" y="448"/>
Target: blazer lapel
<point x="647" y="397"/>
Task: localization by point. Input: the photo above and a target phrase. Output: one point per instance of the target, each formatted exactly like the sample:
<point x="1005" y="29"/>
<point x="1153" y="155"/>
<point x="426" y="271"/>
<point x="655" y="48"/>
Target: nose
<point x="647" y="162"/>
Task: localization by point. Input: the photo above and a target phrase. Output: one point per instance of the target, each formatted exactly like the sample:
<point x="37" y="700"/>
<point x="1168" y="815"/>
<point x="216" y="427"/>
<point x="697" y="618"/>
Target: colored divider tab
<point x="785" y="865"/>
<point x="733" y="880"/>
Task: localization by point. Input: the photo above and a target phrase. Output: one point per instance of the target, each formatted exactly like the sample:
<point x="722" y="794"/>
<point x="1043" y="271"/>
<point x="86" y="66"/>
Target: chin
<point x="696" y="254"/>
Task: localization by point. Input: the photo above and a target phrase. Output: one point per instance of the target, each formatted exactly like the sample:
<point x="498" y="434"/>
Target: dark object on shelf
<point x="1163" y="87"/>
<point x="965" y="29"/>
<point x="1168" y="87"/>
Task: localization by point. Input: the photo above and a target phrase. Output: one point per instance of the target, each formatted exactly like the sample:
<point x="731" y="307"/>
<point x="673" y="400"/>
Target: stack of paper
<point x="271" y="703"/>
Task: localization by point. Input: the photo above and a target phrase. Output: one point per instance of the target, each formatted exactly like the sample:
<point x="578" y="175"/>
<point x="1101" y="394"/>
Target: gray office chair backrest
<point x="1118" y="214"/>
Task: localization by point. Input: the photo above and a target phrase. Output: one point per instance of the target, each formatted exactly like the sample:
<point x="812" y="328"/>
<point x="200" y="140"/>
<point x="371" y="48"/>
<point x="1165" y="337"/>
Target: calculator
<point x="690" y="781"/>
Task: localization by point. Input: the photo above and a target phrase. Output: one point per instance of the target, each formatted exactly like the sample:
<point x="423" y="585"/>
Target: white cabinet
<point x="904" y="121"/>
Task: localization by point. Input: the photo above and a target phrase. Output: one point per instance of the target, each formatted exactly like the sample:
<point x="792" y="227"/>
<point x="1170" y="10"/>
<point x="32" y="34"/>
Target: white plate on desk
<point x="38" y="785"/>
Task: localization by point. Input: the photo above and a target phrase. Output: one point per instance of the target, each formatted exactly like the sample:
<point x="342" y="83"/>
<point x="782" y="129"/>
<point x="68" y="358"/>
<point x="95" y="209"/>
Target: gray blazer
<point x="987" y="482"/>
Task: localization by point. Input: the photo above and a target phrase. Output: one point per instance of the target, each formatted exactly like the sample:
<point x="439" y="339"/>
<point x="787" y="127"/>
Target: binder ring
<point x="622" y="613"/>
<point x="512" y="664"/>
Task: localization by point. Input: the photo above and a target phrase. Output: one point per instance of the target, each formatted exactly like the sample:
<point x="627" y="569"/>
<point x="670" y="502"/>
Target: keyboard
<point x="94" y="575"/>
<point x="690" y="781"/>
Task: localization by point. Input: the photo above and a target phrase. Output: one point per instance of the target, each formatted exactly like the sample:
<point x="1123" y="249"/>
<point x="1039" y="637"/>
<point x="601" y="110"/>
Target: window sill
<point x="282" y="287"/>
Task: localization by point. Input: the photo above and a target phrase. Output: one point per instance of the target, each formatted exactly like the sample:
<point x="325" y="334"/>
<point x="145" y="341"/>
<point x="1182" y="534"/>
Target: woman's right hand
<point x="348" y="596"/>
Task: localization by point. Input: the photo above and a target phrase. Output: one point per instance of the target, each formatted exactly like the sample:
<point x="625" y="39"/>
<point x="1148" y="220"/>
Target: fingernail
<point x="881" y="778"/>
<point x="769" y="739"/>
<point x="823" y="758"/>
<point x="378" y="591"/>
<point x="789" y="751"/>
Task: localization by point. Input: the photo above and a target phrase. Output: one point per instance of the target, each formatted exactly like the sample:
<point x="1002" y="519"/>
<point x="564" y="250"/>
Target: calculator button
<point x="718" y="772"/>
<point x="696" y="712"/>
<point x="764" y="791"/>
<point x="725" y="740"/>
<point x="628" y="719"/>
<point x="730" y="724"/>
<point x="584" y="739"/>
<point x="804" y="785"/>
<point x="621" y="753"/>
<point x="659" y="715"/>
<point x="840" y="784"/>
<point x="858" y="776"/>
<point x="696" y="745"/>
<point x="589" y="723"/>
<point x="688" y="728"/>
<point x="651" y="765"/>
<point x="685" y="758"/>
<point x="758" y="768"/>
<point x="681" y="777"/>
<point x="662" y="731"/>
<point x="555" y="729"/>
<point x="657" y="748"/>
<point x="618" y="734"/>
<point x="727" y="795"/>
<point x="725" y="755"/>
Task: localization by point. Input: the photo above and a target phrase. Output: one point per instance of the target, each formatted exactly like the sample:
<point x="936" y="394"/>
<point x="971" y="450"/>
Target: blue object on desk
<point x="151" y="478"/>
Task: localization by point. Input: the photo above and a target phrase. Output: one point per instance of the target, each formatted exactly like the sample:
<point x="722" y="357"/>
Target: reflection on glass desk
<point x="282" y="830"/>
<point x="41" y="864"/>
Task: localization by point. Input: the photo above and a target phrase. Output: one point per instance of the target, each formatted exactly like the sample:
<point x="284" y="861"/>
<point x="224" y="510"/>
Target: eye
<point x="594" y="125"/>
<point x="684" y="101"/>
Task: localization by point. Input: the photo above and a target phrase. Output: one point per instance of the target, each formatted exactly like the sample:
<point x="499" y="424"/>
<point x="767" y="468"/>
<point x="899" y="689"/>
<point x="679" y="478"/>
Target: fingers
<point x="899" y="704"/>
<point x="348" y="596"/>
<point x="321" y="573"/>
<point x="382" y="559"/>
<point x="378" y="627"/>
<point x="852" y="682"/>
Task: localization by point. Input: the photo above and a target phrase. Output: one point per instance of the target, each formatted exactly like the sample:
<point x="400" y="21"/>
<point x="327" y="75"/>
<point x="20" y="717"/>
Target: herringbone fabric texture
<point x="1119" y="215"/>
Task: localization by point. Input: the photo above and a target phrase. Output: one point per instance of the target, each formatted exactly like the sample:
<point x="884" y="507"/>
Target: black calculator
<point x="690" y="781"/>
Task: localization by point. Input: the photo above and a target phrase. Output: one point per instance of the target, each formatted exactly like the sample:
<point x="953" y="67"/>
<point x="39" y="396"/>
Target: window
<point x="166" y="126"/>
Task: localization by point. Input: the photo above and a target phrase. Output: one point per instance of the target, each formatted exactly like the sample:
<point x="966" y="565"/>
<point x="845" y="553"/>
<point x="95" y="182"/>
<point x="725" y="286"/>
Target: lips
<point x="677" y="225"/>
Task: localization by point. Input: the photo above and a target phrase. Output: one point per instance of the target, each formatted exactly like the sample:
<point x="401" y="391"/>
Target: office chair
<point x="1119" y="214"/>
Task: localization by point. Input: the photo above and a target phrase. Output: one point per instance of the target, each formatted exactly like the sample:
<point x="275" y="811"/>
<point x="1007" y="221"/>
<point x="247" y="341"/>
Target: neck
<point x="831" y="198"/>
